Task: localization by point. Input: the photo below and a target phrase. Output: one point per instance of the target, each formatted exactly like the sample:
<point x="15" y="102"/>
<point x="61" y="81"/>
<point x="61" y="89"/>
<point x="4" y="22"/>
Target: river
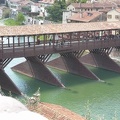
<point x="82" y="96"/>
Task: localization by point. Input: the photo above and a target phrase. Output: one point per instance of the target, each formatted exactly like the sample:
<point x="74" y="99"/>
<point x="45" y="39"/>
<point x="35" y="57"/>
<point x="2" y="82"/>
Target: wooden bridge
<point x="38" y="42"/>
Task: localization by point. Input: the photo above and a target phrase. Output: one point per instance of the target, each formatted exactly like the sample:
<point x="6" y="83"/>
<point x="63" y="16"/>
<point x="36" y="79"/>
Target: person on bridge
<point x="50" y="39"/>
<point x="1" y="41"/>
<point x="57" y="39"/>
<point x="29" y="44"/>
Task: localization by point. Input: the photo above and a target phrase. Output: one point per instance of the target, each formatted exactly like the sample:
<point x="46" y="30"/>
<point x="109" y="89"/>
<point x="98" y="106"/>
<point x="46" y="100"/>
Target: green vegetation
<point x="55" y="11"/>
<point x="82" y="1"/>
<point x="76" y="1"/>
<point x="17" y="21"/>
<point x="41" y="37"/>
<point x="26" y="9"/>
<point x="6" y="13"/>
<point x="20" y="18"/>
<point x="10" y="22"/>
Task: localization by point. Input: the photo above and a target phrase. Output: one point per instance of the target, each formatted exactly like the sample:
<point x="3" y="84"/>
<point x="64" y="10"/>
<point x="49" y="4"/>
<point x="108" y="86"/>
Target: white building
<point x="113" y="15"/>
<point x="1" y="13"/>
<point x="35" y="7"/>
<point x="2" y="9"/>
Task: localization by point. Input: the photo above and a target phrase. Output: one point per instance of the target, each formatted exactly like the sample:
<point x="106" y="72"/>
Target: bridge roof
<point x="56" y="28"/>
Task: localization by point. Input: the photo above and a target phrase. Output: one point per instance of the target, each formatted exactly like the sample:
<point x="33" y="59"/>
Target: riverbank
<point x="55" y="112"/>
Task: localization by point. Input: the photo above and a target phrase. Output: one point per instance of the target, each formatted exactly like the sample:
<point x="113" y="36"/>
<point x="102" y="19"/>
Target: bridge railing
<point x="30" y="45"/>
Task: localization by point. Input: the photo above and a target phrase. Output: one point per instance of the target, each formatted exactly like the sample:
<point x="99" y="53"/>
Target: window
<point x="117" y="17"/>
<point x="28" y="20"/>
<point x="109" y="16"/>
<point x="34" y="22"/>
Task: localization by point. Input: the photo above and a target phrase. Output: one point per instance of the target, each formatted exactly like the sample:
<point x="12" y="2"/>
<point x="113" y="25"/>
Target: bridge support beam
<point x="70" y="63"/>
<point x="100" y="60"/>
<point x="73" y="65"/>
<point x="7" y="84"/>
<point x="33" y="67"/>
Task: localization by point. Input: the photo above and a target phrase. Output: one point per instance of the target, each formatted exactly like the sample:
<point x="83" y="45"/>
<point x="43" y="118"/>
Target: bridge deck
<point x="25" y="51"/>
<point x="32" y="40"/>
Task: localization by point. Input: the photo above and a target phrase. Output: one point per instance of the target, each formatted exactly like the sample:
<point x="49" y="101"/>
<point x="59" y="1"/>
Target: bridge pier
<point x="33" y="67"/>
<point x="7" y="84"/>
<point x="71" y="64"/>
<point x="101" y="60"/>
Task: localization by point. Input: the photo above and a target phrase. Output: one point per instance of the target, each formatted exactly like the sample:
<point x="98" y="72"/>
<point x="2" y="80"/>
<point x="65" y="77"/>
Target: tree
<point x="76" y="1"/>
<point x="82" y="1"/>
<point x="6" y="13"/>
<point x="20" y="18"/>
<point x="26" y="9"/>
<point x="55" y="11"/>
<point x="17" y="21"/>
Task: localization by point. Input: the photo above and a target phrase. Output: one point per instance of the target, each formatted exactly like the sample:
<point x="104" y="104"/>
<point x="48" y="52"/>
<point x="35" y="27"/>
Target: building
<point x="95" y="6"/>
<point x="2" y="10"/>
<point x="113" y="15"/>
<point x="43" y="5"/>
<point x="90" y="16"/>
<point x="16" y="5"/>
<point x="88" y="7"/>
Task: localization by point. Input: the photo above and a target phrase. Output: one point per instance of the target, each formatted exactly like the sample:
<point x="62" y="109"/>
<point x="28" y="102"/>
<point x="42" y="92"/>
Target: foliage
<point x="17" y="21"/>
<point x="25" y="9"/>
<point x="11" y="22"/>
<point x="20" y="18"/>
<point x="55" y="11"/>
<point x="82" y="1"/>
<point x="32" y="102"/>
<point x="6" y="13"/>
<point x="76" y="1"/>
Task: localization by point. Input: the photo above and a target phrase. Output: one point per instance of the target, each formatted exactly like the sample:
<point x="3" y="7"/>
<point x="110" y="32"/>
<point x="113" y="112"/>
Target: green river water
<point x="103" y="97"/>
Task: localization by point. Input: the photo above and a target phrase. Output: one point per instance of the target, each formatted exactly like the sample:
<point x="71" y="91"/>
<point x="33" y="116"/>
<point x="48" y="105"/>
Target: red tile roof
<point x="23" y="3"/>
<point x="118" y="10"/>
<point x="95" y="5"/>
<point x="85" y="16"/>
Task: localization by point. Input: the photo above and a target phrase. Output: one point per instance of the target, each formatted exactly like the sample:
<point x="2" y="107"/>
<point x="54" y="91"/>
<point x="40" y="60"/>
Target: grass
<point x="11" y="22"/>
